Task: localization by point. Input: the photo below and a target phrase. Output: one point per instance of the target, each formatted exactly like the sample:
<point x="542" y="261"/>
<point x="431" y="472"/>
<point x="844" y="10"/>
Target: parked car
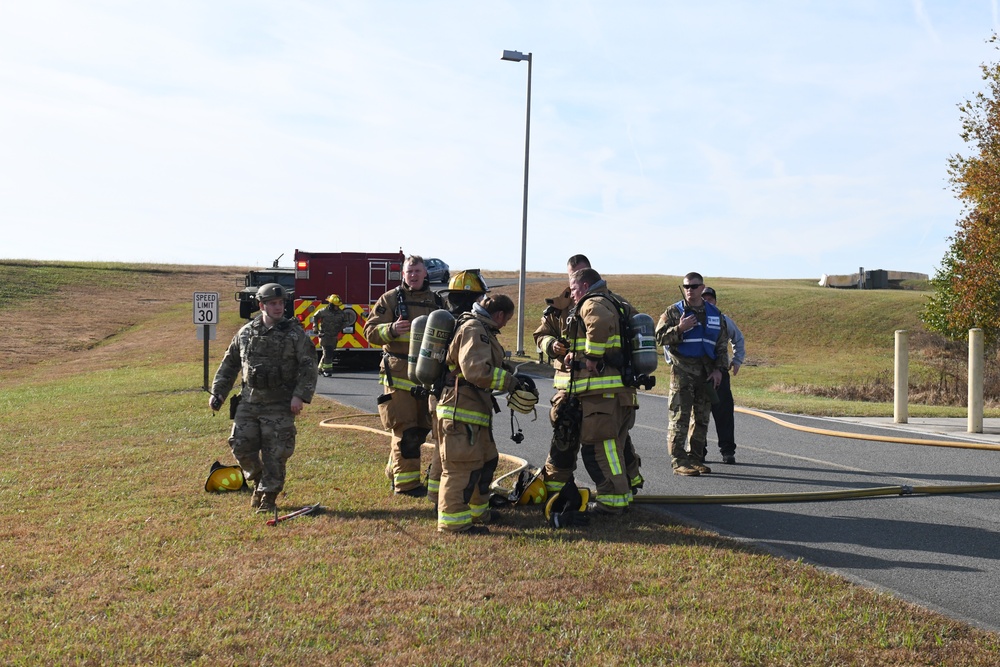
<point x="437" y="270"/>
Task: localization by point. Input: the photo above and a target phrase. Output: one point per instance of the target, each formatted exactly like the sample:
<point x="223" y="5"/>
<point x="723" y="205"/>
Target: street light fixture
<point x="517" y="56"/>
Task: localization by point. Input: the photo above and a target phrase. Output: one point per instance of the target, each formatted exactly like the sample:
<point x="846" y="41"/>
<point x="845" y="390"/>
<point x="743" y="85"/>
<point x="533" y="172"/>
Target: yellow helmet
<point x="224" y="478"/>
<point x="470" y="280"/>
<point x="335" y="300"/>
<point x="567" y="499"/>
<point x="534" y="491"/>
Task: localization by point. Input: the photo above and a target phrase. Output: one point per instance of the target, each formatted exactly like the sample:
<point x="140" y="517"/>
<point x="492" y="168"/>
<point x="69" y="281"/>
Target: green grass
<point x="112" y="553"/>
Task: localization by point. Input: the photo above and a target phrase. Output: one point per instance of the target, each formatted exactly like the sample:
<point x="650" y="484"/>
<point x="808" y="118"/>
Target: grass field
<point x="112" y="553"/>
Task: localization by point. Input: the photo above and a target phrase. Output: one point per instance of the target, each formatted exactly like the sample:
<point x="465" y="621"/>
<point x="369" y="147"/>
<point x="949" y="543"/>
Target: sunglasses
<point x="691" y="286"/>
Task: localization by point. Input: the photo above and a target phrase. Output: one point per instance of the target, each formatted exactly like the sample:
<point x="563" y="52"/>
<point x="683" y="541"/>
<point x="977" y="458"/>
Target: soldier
<point x="595" y="360"/>
<point x="406" y="415"/>
<point x="722" y="412"/>
<point x="693" y="335"/>
<point x="330" y="322"/>
<point x="469" y="454"/>
<point x="278" y="364"/>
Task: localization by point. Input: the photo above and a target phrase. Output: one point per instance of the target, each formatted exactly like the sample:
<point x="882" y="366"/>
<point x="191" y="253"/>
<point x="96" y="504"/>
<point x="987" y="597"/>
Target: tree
<point x="967" y="285"/>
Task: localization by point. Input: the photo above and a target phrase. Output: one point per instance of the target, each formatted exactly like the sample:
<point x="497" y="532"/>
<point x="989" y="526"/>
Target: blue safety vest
<point x="702" y="338"/>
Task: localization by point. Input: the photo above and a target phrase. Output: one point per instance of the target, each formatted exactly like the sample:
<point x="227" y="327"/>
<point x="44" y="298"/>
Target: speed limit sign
<point x="206" y="308"/>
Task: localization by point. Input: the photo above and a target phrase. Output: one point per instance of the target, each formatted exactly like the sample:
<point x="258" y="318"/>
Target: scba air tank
<point x="434" y="347"/>
<point x="416" y="337"/>
<point x="644" y="355"/>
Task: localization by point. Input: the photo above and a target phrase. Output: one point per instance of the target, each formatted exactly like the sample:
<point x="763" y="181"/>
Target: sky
<point x="765" y="139"/>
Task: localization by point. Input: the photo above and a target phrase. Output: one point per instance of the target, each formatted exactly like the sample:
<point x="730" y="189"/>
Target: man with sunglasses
<point x="693" y="335"/>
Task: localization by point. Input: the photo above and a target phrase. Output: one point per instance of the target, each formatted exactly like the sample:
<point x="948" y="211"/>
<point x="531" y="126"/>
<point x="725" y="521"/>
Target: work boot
<point x="255" y="499"/>
<point x="687" y="471"/>
<point x="267" y="502"/>
<point x="729" y="459"/>
<point x="475" y="529"/>
<point x="415" y="492"/>
<point x="701" y="468"/>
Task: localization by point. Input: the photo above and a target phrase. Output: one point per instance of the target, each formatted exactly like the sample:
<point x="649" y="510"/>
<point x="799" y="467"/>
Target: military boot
<point x="255" y="499"/>
<point x="267" y="502"/>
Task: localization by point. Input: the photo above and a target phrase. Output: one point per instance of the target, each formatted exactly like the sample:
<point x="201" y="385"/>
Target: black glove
<point x="216" y="402"/>
<point x="569" y="518"/>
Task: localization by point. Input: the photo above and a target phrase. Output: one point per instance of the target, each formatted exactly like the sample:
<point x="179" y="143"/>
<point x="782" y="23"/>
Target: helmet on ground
<point x="335" y="300"/>
<point x="470" y="280"/>
<point x="531" y="488"/>
<point x="224" y="478"/>
<point x="271" y="291"/>
<point x="570" y="497"/>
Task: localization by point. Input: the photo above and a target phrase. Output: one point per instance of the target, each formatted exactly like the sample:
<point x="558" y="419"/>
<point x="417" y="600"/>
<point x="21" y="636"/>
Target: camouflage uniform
<point x="689" y="380"/>
<point x="407" y="417"/>
<point x="330" y="321"/>
<point x="277" y="364"/>
<point x="468" y="451"/>
<point x="561" y="463"/>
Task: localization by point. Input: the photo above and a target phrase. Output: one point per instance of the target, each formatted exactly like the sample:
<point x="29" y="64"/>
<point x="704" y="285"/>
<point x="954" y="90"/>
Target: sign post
<point x="206" y="313"/>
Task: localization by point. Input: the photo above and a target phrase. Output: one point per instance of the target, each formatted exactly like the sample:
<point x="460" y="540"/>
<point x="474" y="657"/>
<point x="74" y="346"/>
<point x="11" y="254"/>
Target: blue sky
<point x="772" y="139"/>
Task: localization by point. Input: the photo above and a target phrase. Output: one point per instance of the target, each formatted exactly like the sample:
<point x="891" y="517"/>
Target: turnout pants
<point x="262" y="440"/>
<point x="468" y="461"/>
<point x="329" y="350"/>
<point x="602" y="447"/>
<point x="725" y="421"/>
<point x="410" y="421"/>
<point x="688" y="396"/>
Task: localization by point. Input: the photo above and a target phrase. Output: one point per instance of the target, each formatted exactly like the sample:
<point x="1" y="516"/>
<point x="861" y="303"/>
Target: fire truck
<point x="359" y="278"/>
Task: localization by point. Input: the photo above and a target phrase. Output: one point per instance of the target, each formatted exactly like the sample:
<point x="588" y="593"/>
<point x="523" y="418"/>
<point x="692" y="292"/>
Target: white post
<point x="976" y="363"/>
<point x="901" y="389"/>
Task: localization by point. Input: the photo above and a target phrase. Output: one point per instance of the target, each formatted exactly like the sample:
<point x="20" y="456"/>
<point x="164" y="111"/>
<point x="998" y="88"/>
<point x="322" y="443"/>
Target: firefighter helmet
<point x="271" y="291"/>
<point x="531" y="488"/>
<point x="224" y="478"/>
<point x="570" y="498"/>
<point x="470" y="280"/>
<point x="335" y="300"/>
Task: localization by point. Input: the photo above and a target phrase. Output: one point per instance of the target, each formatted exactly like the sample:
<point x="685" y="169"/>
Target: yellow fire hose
<point x="756" y="498"/>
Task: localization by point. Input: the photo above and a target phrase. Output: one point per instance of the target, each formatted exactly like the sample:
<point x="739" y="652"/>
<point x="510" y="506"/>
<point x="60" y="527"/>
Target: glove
<point x="522" y="400"/>
<point x="569" y="518"/>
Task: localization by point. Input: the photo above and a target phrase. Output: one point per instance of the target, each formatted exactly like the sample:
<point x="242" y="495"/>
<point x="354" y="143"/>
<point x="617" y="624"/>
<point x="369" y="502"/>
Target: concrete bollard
<point x="901" y="379"/>
<point x="976" y="363"/>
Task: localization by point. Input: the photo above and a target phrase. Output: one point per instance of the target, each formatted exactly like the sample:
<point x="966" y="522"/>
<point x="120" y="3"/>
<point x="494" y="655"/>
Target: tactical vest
<point x="700" y="340"/>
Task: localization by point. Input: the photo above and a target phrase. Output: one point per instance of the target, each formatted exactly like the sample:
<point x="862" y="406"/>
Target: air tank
<point x="644" y="355"/>
<point x="416" y="337"/>
<point x="434" y="347"/>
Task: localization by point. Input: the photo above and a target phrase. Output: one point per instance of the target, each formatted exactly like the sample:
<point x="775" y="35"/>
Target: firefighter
<point x="464" y="289"/>
<point x="595" y="359"/>
<point x="278" y="364"/>
<point x="469" y="454"/>
<point x="405" y="414"/>
<point x="330" y="322"/>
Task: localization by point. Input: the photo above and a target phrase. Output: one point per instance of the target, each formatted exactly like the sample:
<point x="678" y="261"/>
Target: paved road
<point x="940" y="551"/>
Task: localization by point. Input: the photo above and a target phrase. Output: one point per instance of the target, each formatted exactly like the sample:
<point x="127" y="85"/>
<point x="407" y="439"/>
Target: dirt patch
<point x="108" y="327"/>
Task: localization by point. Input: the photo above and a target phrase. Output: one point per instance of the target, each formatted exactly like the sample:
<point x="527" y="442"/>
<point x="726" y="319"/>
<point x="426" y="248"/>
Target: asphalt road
<point x="940" y="551"/>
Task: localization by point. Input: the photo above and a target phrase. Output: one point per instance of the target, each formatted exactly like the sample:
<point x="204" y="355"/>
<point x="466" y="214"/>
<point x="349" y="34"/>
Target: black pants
<point x="722" y="413"/>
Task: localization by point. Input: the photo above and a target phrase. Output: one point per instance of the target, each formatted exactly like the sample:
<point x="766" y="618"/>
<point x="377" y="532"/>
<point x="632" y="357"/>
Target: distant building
<point x="876" y="279"/>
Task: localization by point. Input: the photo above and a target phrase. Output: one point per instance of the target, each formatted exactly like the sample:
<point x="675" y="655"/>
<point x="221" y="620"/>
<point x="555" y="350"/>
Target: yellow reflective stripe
<point x="406" y="477"/>
<point x="454" y="518"/>
<point x="462" y="415"/>
<point x="478" y="510"/>
<point x="433" y="485"/>
<point x="397" y="383"/>
<point x="554" y="487"/>
<point x="614" y="499"/>
<point x="596" y="383"/>
<point x="636" y="481"/>
<point x="611" y="453"/>
<point x="499" y="378"/>
<point x="595" y="349"/>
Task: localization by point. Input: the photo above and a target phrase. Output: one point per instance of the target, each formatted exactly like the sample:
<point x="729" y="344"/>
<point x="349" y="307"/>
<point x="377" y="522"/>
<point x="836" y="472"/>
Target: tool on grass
<point x="308" y="509"/>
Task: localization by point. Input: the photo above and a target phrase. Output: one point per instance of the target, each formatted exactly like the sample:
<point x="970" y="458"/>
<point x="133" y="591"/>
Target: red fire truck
<point x="359" y="278"/>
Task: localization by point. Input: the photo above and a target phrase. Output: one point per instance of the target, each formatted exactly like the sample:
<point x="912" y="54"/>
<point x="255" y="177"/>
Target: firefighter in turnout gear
<point x="464" y="289"/>
<point x="330" y="322"/>
<point x="469" y="454"/>
<point x="594" y="360"/>
<point x="406" y="415"/>
<point x="278" y="363"/>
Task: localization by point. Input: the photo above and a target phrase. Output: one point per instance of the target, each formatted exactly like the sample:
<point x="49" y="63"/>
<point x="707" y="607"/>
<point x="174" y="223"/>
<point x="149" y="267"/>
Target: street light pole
<point x="517" y="56"/>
